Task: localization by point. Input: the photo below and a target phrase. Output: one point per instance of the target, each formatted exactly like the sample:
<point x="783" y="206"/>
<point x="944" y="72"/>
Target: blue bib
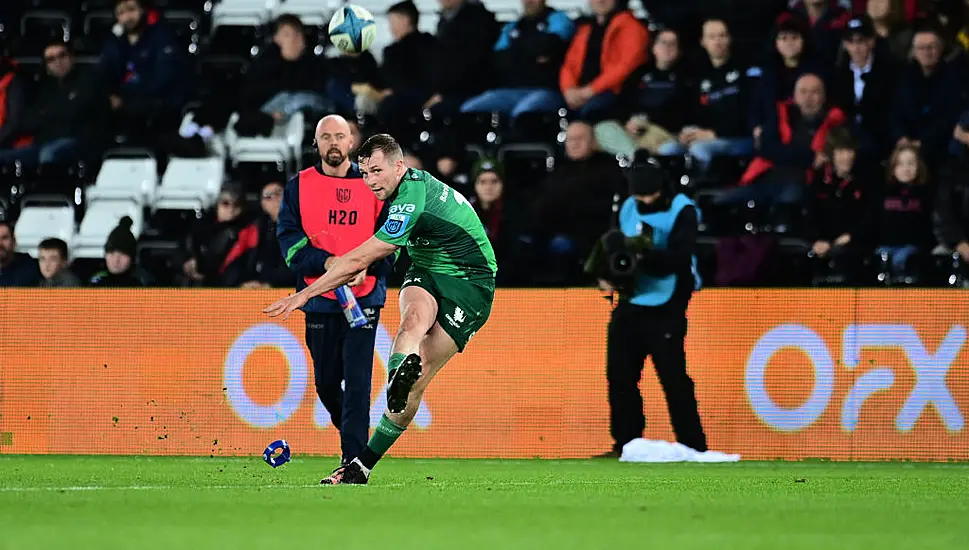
<point x="655" y="291"/>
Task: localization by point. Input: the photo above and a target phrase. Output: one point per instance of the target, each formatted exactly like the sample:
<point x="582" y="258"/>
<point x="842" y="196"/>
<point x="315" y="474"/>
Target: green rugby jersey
<point x="440" y="229"/>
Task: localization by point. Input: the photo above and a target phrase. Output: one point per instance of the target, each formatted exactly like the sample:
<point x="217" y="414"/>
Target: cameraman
<point x="655" y="278"/>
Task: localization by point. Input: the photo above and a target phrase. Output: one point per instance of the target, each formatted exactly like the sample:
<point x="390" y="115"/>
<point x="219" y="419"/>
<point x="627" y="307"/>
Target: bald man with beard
<point x="328" y="210"/>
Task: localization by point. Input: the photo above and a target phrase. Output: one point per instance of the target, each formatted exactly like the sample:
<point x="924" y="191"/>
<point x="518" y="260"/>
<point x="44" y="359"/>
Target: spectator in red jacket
<point x="255" y="259"/>
<point x="791" y="145"/>
<point x="13" y="103"/>
<point x="604" y="53"/>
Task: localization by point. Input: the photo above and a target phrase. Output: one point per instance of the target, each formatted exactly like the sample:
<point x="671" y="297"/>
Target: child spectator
<point x="119" y="259"/>
<point x="905" y="216"/>
<point x="836" y="206"/>
<point x="53" y="265"/>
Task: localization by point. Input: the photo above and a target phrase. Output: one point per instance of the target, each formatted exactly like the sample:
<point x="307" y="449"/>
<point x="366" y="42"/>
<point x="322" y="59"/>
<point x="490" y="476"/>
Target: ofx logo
<point x="929" y="393"/>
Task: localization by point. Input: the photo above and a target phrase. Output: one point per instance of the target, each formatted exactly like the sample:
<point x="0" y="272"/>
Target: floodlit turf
<point x="230" y="503"/>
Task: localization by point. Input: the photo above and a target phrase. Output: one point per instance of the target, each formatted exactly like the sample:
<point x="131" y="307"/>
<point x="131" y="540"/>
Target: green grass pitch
<point x="68" y="502"/>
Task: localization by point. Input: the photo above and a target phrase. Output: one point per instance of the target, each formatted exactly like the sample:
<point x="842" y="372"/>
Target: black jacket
<point x="951" y="214"/>
<point x="577" y="200"/>
<point x="133" y="278"/>
<point x="905" y="216"/>
<point x="361" y="69"/>
<point x="723" y="100"/>
<point x="826" y="31"/>
<point x="869" y="118"/>
<point x="925" y="108"/>
<point x="270" y="74"/>
<point x="665" y="97"/>
<point x="838" y="205"/>
<point x="23" y="271"/>
<point x="463" y="65"/>
<point x="70" y="107"/>
<point x="408" y="63"/>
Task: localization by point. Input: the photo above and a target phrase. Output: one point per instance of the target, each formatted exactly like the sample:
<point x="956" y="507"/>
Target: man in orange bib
<point x="328" y="210"/>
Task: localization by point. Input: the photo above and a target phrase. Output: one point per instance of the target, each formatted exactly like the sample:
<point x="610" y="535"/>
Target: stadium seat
<point x="156" y="258"/>
<point x="133" y="179"/>
<point x="242" y="12"/>
<point x="535" y="126"/>
<point x="243" y="40"/>
<point x="101" y="217"/>
<point x="43" y="217"/>
<point x="185" y="25"/>
<point x="284" y="145"/>
<point x="97" y="29"/>
<point x="221" y="77"/>
<point x="480" y="128"/>
<point x="314" y="13"/>
<point x="253" y="175"/>
<point x="60" y="178"/>
<point x="526" y="164"/>
<point x="39" y="27"/>
<point x="190" y="184"/>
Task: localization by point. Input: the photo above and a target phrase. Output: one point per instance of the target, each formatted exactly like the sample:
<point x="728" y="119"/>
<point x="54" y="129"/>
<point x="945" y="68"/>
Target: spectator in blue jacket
<point x="528" y="54"/>
<point x="143" y="70"/>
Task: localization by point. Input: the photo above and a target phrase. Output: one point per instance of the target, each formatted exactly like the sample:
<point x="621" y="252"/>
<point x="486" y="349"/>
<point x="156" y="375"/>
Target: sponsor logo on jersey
<point x="405" y="208"/>
<point x="396" y="224"/>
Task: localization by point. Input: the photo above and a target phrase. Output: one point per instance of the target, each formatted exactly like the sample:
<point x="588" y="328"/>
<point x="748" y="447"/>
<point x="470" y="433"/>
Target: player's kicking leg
<point x="419" y="351"/>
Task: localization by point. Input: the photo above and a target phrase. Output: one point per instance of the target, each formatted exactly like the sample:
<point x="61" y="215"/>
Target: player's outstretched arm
<point x="340" y="272"/>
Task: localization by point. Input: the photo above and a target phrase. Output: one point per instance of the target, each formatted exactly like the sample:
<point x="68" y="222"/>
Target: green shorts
<point x="462" y="306"/>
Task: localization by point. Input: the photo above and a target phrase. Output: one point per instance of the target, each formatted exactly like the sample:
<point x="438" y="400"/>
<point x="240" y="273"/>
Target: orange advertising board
<point x="839" y="374"/>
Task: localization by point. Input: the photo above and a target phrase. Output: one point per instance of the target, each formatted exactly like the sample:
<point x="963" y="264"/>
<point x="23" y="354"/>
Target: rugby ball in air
<point x="352" y="29"/>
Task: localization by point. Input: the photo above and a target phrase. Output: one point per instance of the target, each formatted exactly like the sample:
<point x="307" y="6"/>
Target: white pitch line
<point x="442" y="483"/>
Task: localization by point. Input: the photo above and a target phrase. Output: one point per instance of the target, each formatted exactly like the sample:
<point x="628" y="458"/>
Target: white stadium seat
<point x="44" y="217"/>
<point x="283" y="145"/>
<point x="101" y="217"/>
<point x="190" y="184"/>
<point x="126" y="179"/>
<point x="242" y="12"/>
<point x="310" y="12"/>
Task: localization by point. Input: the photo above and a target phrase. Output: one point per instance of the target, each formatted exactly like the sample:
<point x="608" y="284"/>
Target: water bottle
<point x="351" y="309"/>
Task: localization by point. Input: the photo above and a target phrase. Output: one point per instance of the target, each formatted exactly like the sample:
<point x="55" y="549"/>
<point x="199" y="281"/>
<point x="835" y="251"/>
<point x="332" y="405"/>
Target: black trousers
<point x="343" y="356"/>
<point x="637" y="332"/>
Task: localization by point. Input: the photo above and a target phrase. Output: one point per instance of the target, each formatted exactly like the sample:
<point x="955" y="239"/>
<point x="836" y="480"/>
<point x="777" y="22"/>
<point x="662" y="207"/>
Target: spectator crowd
<point x="825" y="141"/>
